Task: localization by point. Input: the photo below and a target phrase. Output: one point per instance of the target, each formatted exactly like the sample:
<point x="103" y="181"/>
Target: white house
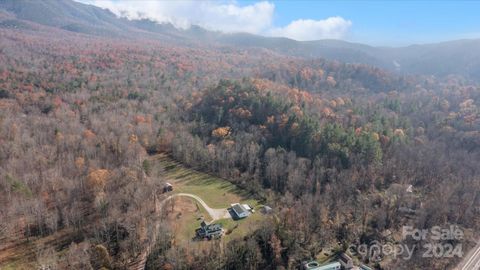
<point x="240" y="210"/>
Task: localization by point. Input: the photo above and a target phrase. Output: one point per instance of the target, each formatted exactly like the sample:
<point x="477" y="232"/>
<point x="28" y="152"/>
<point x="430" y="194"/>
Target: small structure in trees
<point x="167" y="187"/>
<point x="266" y="210"/>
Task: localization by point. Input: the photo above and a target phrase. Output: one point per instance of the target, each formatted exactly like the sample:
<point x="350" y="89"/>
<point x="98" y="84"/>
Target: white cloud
<point x="333" y="27"/>
<point x="226" y="16"/>
<point x="212" y="15"/>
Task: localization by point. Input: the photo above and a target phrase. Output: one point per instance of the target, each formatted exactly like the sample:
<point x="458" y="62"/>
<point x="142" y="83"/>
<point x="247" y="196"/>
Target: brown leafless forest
<point x="330" y="146"/>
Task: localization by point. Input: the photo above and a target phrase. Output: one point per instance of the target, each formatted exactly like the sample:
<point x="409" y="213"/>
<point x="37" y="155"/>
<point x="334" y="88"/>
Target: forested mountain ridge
<point x="454" y="57"/>
<point x="332" y="147"/>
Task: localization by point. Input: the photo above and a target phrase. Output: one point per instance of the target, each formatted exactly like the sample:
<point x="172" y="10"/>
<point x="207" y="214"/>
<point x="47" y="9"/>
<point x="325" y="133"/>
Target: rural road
<point x="472" y="261"/>
<point x="213" y="212"/>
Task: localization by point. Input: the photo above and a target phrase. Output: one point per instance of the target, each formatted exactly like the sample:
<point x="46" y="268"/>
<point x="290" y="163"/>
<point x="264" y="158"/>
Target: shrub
<point x="4" y="94"/>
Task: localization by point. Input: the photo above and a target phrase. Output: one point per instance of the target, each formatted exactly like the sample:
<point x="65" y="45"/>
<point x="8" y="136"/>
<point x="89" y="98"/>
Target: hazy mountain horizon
<point x="458" y="56"/>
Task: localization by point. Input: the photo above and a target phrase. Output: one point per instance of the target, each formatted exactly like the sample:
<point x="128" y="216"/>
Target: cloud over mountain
<point x="333" y="27"/>
<point x="226" y="16"/>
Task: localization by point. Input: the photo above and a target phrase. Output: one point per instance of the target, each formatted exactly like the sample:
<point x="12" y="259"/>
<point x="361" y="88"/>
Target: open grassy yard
<point x="215" y="191"/>
<point x="185" y="218"/>
<point x="242" y="227"/>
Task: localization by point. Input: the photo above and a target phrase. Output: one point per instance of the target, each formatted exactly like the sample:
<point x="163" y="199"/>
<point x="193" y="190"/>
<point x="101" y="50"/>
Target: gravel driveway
<point x="213" y="212"/>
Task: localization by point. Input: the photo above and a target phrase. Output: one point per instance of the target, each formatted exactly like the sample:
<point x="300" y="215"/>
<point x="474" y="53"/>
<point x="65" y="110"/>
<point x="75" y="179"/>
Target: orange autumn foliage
<point x="140" y="119"/>
<point x="79" y="162"/>
<point x="133" y="138"/>
<point x="331" y="81"/>
<point x="399" y="132"/>
<point x="221" y="132"/>
<point x="88" y="134"/>
<point x="241" y="113"/>
<point x="97" y="179"/>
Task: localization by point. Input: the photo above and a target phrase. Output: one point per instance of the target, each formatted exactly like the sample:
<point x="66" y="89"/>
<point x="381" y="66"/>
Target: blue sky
<point x="391" y="22"/>
<point x="381" y="23"/>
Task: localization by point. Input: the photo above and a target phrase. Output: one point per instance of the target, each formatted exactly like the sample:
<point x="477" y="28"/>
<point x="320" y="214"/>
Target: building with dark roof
<point x="209" y="230"/>
<point x="346" y="261"/>
<point x="240" y="211"/>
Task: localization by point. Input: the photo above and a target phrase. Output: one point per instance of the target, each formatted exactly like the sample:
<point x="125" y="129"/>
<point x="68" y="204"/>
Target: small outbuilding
<point x="167" y="187"/>
<point x="266" y="210"/>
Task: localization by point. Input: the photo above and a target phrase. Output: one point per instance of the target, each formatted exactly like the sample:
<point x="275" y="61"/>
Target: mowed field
<point x="215" y="191"/>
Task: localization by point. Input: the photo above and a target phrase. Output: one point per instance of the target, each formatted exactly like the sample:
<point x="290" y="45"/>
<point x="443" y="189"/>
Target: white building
<point x="240" y="210"/>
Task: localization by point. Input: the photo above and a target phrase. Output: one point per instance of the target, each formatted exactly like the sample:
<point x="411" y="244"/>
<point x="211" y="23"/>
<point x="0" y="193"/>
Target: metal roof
<point x="239" y="209"/>
<point x="330" y="266"/>
<point x="314" y="265"/>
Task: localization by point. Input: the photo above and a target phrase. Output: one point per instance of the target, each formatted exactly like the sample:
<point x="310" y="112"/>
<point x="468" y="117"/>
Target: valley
<point x="128" y="142"/>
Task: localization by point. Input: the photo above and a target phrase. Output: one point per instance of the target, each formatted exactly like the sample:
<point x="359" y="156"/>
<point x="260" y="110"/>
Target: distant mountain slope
<point x="80" y="18"/>
<point x="64" y="14"/>
<point x="456" y="57"/>
<point x="453" y="57"/>
<point x="331" y="49"/>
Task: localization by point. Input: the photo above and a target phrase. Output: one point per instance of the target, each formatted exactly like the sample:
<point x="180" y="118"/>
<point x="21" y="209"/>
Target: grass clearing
<point x="186" y="216"/>
<point x="242" y="227"/>
<point x="215" y="191"/>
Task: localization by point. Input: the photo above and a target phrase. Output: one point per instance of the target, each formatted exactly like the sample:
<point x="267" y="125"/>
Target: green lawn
<point x="189" y="222"/>
<point x="245" y="226"/>
<point x="215" y="191"/>
<point x="12" y="266"/>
